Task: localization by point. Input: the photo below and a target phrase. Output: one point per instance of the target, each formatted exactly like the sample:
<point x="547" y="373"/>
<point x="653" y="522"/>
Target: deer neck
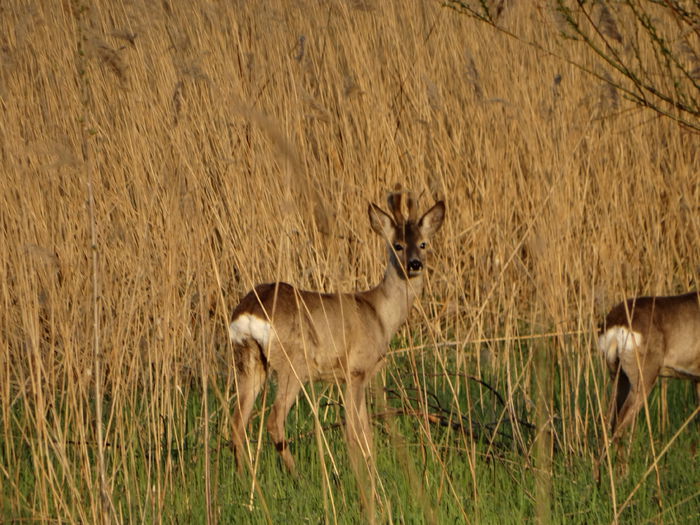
<point x="393" y="298"/>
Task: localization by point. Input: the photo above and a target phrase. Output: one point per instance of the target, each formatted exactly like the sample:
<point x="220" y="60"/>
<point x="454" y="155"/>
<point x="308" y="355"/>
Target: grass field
<point x="159" y="159"/>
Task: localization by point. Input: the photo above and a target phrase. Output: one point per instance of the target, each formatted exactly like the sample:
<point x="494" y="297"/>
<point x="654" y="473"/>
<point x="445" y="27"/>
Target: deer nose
<point x="415" y="265"/>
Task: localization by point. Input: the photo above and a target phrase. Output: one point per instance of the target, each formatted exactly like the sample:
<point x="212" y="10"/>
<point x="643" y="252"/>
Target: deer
<point x="301" y="336"/>
<point x="645" y="338"/>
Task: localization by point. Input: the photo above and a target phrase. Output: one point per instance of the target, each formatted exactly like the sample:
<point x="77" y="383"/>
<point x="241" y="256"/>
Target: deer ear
<point x="380" y="221"/>
<point x="431" y="221"/>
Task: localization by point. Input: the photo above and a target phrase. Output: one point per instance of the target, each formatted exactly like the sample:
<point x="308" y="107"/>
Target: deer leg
<point x="642" y="381"/>
<point x="250" y="379"/>
<point x="359" y="429"/>
<point x="360" y="440"/>
<point x="366" y="425"/>
<point x="289" y="387"/>
<point x="622" y="392"/>
<point x="621" y="385"/>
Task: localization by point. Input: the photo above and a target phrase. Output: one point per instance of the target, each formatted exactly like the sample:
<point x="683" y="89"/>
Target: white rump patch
<point x="618" y="340"/>
<point x="248" y="326"/>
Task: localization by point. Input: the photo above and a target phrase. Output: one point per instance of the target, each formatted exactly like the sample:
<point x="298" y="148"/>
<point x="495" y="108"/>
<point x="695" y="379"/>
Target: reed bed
<point x="159" y="159"/>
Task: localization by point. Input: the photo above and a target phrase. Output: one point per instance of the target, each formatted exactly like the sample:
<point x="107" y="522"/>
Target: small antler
<point x="394" y="201"/>
<point x="412" y="208"/>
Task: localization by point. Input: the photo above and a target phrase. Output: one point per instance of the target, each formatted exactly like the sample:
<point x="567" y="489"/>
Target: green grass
<point x="423" y="468"/>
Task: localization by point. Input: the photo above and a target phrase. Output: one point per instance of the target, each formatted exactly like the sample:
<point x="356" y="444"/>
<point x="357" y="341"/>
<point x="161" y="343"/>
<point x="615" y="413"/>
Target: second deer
<point x="645" y="338"/>
<point x="306" y="336"/>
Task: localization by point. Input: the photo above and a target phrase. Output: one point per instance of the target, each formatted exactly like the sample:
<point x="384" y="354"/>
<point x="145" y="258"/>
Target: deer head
<point x="407" y="238"/>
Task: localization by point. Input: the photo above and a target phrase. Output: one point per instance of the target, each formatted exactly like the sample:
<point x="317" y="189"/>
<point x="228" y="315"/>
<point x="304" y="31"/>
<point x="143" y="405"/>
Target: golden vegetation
<point x="229" y="143"/>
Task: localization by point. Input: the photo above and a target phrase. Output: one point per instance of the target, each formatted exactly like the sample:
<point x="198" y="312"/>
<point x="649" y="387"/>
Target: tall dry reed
<point x="215" y="145"/>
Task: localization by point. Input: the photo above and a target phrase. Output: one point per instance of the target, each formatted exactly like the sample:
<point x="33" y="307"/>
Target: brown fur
<point x="670" y="347"/>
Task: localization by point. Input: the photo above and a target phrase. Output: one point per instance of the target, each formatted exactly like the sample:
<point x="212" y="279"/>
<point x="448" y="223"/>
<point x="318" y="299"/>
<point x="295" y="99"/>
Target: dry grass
<point x="229" y="143"/>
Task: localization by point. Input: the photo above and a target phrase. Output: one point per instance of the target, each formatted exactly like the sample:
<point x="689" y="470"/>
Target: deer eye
<point x="423" y="245"/>
<point x="398" y="247"/>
